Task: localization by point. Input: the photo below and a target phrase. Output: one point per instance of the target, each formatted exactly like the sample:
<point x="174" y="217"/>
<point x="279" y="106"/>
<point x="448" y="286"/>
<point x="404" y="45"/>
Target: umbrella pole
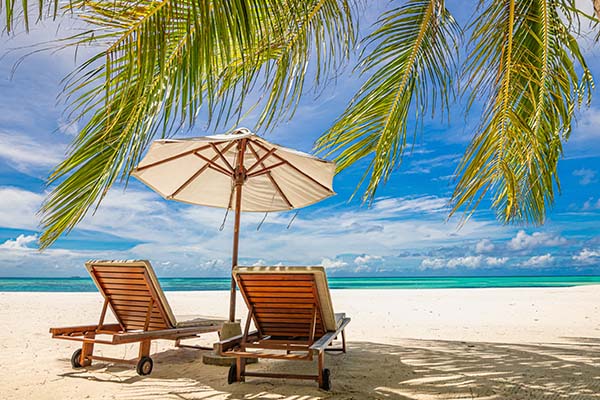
<point x="234" y="257"/>
<point x="239" y="178"/>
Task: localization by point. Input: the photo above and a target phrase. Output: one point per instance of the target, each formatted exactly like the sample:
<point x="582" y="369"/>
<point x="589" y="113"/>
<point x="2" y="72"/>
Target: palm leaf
<point x="164" y="61"/>
<point x="531" y="89"/>
<point x="411" y="68"/>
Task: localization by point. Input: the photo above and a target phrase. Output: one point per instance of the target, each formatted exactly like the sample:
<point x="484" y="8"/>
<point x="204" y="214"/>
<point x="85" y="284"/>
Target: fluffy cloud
<point x="493" y="261"/>
<point x="22" y="242"/>
<point x="524" y="241"/>
<point x="538" y="261"/>
<point x="333" y="264"/>
<point x="587" y="256"/>
<point x="586" y="175"/>
<point x="26" y="154"/>
<point x="470" y="262"/>
<point x="18" y="208"/>
<point x="427" y="204"/>
<point x="366" y="259"/>
<point x="484" y="246"/>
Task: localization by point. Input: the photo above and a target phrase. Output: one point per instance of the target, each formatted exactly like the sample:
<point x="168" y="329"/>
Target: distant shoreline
<point x="85" y="284"/>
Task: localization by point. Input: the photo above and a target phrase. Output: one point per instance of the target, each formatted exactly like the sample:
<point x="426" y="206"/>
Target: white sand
<point x="403" y="344"/>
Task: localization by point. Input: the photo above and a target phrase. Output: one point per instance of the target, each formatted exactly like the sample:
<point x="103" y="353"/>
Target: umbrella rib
<point x="260" y="161"/>
<point x="216" y="149"/>
<point x="265" y="169"/>
<point x="270" y="176"/>
<point x="201" y="170"/>
<point x="297" y="169"/>
<point x="212" y="164"/>
<point x="185" y="153"/>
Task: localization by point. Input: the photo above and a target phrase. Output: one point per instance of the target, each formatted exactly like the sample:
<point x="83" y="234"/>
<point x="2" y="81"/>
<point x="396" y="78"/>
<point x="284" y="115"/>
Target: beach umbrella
<point x="239" y="171"/>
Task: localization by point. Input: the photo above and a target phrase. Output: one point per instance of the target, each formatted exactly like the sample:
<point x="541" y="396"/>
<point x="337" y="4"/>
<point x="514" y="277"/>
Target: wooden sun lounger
<point x="293" y="315"/>
<point x="133" y="294"/>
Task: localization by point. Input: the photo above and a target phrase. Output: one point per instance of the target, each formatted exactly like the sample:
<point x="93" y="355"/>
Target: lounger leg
<point x="321" y="366"/>
<point x="145" y="348"/>
<point x="86" y="350"/>
<point x="344" y="341"/>
<point x="240" y="368"/>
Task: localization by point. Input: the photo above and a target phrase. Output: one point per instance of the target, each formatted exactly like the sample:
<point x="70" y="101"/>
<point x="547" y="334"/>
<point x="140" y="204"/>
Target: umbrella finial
<point x="241" y="131"/>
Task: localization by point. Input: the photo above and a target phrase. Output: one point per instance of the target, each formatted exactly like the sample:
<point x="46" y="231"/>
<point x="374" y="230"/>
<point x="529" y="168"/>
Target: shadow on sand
<point x="412" y="369"/>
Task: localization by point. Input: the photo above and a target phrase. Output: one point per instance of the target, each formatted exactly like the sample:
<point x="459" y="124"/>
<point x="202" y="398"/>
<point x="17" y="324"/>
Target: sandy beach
<point x="526" y="343"/>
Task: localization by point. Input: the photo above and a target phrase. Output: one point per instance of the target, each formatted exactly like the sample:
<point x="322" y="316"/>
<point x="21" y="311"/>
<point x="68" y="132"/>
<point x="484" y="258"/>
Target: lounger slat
<point x="102" y="268"/>
<point x="130" y="297"/>
<point x="138" y="306"/>
<point x="278" y="289"/>
<point x="290" y="284"/>
<point x="122" y="281"/>
<point x="120" y="275"/>
<point x="282" y="300"/>
<point x="129" y="313"/>
<point x="264" y="316"/>
<point x="273" y="309"/>
<point x="114" y="288"/>
<point x="124" y="292"/>
<point x="276" y="277"/>
<point x="276" y="295"/>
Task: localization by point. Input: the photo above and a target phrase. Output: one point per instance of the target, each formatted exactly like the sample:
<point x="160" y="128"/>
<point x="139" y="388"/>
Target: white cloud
<point x="69" y="128"/>
<point x="427" y="204"/>
<point x="333" y="264"/>
<point x="18" y="208"/>
<point x="587" y="256"/>
<point x="20" y="243"/>
<point x="484" y="246"/>
<point x="537" y="261"/>
<point x="587" y="175"/>
<point x="25" y="154"/>
<point x="466" y="262"/>
<point x="492" y="261"/>
<point x="433" y="263"/>
<point x="365" y="259"/>
<point x="524" y="241"/>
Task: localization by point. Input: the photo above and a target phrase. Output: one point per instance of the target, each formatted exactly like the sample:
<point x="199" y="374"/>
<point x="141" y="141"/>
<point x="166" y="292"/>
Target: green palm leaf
<point x="411" y="67"/>
<point x="164" y="61"/>
<point x="532" y="90"/>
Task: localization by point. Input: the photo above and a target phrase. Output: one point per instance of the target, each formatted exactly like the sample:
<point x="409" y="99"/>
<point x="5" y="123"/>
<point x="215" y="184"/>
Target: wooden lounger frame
<point x="286" y="311"/>
<point x="130" y="293"/>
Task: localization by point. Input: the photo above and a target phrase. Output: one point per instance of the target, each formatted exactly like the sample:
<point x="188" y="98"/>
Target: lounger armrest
<point x="327" y="338"/>
<point x="223" y="345"/>
<point x="68" y="330"/>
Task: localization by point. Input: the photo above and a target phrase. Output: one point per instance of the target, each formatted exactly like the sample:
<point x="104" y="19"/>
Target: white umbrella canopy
<point x="238" y="171"/>
<point x="204" y="170"/>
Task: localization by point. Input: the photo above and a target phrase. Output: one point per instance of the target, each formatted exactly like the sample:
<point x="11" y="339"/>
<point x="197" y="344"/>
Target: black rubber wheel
<point x="75" y="359"/>
<point x="232" y="375"/>
<point x="144" y="366"/>
<point x="326" y="380"/>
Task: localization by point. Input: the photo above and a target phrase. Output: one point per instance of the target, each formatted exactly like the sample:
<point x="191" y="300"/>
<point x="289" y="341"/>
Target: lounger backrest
<point x="283" y="299"/>
<point x="131" y="288"/>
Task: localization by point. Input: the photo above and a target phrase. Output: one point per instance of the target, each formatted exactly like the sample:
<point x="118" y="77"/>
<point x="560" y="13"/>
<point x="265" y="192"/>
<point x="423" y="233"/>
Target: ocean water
<point x="187" y="284"/>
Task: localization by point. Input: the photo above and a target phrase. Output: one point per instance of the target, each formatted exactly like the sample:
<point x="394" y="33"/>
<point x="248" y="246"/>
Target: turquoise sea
<point x="186" y="284"/>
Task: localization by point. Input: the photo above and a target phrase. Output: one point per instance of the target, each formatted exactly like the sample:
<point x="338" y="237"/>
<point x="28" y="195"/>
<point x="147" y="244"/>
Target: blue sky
<point x="404" y="233"/>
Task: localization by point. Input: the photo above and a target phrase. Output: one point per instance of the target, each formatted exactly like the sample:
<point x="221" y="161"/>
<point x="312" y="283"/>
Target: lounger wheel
<point x="75" y="359"/>
<point x="144" y="366"/>
<point x="326" y="380"/>
<point x="232" y="375"/>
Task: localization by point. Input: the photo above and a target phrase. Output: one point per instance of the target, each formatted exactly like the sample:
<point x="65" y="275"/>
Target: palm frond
<point x="524" y="59"/>
<point x="412" y="66"/>
<point x="164" y="61"/>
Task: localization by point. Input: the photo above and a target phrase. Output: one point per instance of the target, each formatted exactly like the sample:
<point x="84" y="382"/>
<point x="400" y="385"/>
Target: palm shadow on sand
<point x="413" y="369"/>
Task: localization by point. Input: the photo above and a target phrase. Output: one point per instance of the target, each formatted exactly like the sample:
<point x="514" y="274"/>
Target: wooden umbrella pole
<point x="239" y="177"/>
